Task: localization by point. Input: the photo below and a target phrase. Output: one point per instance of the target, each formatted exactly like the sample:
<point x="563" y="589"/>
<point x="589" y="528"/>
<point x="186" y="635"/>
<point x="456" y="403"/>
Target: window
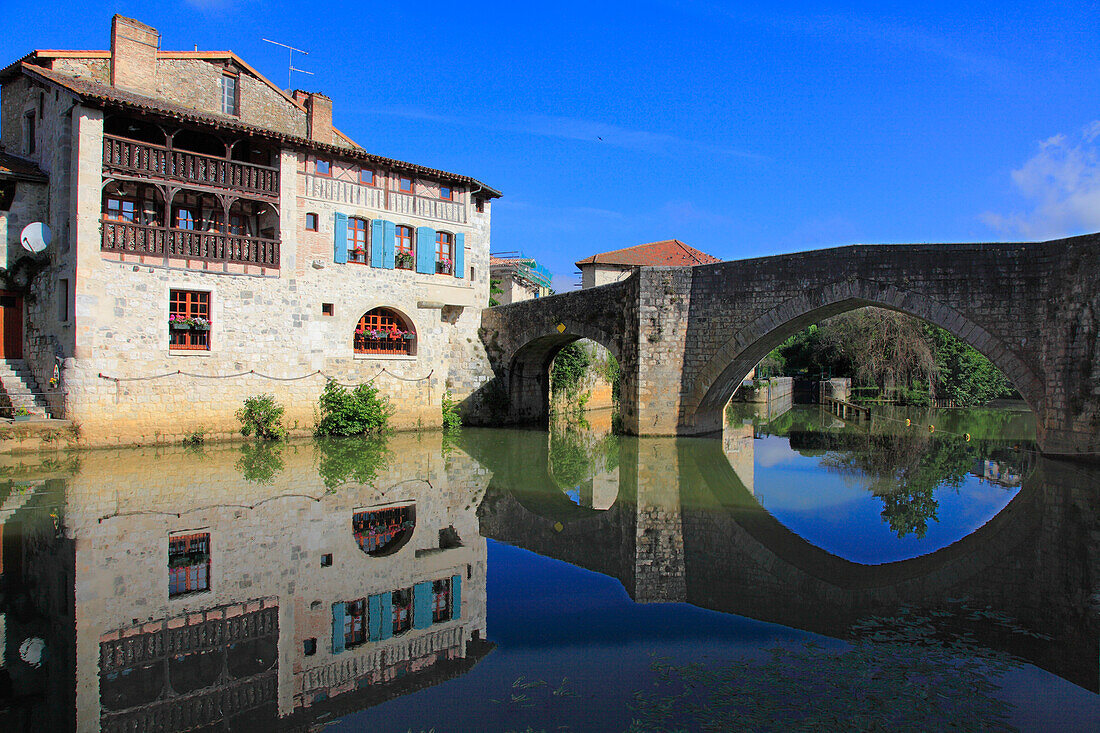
<point x="309" y="646"/>
<point x="326" y="560"/>
<point x="444" y="253"/>
<point x="441" y="600"/>
<point x="328" y="309"/>
<point x="405" y="258"/>
<point x="405" y="184"/>
<point x="230" y="98"/>
<point x="216" y="221"/>
<point x="239" y="225"/>
<point x="366" y="176"/>
<point x="382" y="531"/>
<point x="189" y="320"/>
<point x="29" y="133"/>
<point x="402" y="610"/>
<point x="382" y="331"/>
<point x="185" y="219"/>
<point x="479" y="206"/>
<point x="120" y="209"/>
<point x="446" y="192"/>
<point x="322" y="167"/>
<point x="188" y="564"/>
<point x="355" y="623"/>
<point x="311" y="222"/>
<point x="357" y="240"/>
<point x="63" y="299"/>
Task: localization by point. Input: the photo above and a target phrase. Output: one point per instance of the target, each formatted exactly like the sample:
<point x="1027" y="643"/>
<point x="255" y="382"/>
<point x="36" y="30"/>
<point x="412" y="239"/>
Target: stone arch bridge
<point x="685" y="337"/>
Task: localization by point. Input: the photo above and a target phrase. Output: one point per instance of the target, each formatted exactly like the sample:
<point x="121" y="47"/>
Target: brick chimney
<point x="134" y="55"/>
<point x="318" y="115"/>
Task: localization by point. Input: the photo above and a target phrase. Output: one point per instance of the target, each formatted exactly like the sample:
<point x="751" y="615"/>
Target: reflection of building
<point x="997" y="472"/>
<point x="203" y="597"/>
<point x="197" y="208"/>
<point x="521" y="278"/>
<point x="609" y="267"/>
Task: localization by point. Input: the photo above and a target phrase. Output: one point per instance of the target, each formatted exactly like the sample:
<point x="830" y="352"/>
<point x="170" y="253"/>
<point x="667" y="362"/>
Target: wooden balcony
<point x="156" y="241"/>
<point x="144" y="160"/>
<point x="373" y="197"/>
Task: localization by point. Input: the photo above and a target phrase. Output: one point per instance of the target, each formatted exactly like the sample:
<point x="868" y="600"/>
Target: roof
<point x="13" y="167"/>
<point x="97" y="94"/>
<point x="666" y="253"/>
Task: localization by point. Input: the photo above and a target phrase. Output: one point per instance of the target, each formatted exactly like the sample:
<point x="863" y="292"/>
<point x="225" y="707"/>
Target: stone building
<point x="215" y="237"/>
<point x="274" y="588"/>
<point x="520" y="278"/>
<point x="610" y="267"/>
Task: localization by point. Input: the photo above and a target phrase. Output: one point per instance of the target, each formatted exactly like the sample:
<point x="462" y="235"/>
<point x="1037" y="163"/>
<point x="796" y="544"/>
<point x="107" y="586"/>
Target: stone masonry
<point x="686" y="337"/>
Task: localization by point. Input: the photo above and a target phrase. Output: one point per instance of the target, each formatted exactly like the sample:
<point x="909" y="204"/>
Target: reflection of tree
<point x="568" y="459"/>
<point x="910" y="672"/>
<point x="904" y="471"/>
<point x="259" y="462"/>
<point x="351" y="459"/>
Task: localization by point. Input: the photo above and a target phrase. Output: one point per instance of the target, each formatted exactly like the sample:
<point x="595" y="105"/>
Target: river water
<point x="799" y="573"/>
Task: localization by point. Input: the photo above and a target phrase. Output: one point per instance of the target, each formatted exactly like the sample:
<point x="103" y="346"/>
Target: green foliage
<point x="341" y="460"/>
<point x="196" y="436"/>
<point x="359" y="411"/>
<point x="965" y="375"/>
<point x="494" y="289"/>
<point x="568" y="370"/>
<point x="452" y="420"/>
<point x="568" y="462"/>
<point x="262" y="415"/>
<point x="609" y="369"/>
<point x="260" y="462"/>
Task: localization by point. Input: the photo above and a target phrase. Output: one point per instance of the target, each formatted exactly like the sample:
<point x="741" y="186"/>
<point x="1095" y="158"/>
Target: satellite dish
<point x="35" y="237"/>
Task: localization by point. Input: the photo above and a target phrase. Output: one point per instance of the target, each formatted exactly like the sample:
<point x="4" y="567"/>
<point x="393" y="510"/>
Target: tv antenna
<point x="290" y="65"/>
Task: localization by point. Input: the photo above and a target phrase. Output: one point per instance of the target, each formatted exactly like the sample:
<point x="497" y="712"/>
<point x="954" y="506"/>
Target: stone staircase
<point x="18" y="383"/>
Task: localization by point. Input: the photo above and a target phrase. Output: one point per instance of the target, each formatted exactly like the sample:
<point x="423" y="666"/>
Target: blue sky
<point x="740" y="130"/>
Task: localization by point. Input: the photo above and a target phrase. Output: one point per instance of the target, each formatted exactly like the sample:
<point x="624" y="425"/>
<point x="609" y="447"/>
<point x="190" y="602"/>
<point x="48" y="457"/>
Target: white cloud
<point x="1062" y="186"/>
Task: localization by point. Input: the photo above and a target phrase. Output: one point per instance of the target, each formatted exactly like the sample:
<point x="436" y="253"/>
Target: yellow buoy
<point x="931" y="428"/>
<point x="967" y="436"/>
<point x="908" y="422"/>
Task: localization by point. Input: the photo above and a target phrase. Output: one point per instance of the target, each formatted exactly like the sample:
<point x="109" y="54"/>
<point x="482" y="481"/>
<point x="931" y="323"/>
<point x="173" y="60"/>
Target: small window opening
<point x="310" y="646"/>
<point x="230" y="97"/>
<point x="323" y="167"/>
<point x="326" y="560"/>
<point x="311" y="222"/>
<point x="405" y="184"/>
<point x="327" y="309"/>
<point x="29" y="136"/>
<point x="63" y="299"/>
<point x="479" y="206"/>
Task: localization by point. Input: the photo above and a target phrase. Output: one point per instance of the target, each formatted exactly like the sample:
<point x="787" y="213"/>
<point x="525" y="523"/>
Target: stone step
<point x="19" y="384"/>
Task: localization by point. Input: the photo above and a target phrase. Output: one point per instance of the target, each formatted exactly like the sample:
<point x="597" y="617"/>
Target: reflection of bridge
<point x="684" y="528"/>
<point x="685" y="337"/>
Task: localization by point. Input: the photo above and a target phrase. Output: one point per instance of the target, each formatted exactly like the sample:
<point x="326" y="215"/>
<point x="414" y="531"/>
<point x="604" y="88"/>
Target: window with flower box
<point x="189" y="320"/>
<point x="441" y="600"/>
<point x="405" y="257"/>
<point x="383" y="331"/>
<point x="402" y="604"/>
<point x="357" y="240"/>
<point x="444" y="253"/>
<point x="383" y="531"/>
<point x="188" y="563"/>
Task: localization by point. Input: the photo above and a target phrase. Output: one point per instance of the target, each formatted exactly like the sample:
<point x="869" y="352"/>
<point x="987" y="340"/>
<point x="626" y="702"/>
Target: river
<point x="925" y="570"/>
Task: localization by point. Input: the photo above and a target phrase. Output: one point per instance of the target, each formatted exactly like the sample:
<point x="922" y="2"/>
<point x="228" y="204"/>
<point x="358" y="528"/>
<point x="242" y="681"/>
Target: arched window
<point x="405" y="257"/>
<point x="383" y="331"/>
<point x="382" y="532"/>
<point x="357" y="240"/>
<point x="444" y="253"/>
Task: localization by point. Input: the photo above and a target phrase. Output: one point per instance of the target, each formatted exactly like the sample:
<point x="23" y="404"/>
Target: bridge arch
<point x="528" y="371"/>
<point x="717" y="380"/>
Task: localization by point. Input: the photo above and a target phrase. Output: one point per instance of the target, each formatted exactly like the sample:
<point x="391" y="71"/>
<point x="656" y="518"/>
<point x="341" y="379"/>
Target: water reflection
<point x="287" y="586"/>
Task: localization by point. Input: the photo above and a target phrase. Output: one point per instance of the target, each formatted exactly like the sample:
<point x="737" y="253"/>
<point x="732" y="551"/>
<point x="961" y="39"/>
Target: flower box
<point x="443" y="267"/>
<point x="200" y="326"/>
<point x="409" y="336"/>
<point x="179" y="325"/>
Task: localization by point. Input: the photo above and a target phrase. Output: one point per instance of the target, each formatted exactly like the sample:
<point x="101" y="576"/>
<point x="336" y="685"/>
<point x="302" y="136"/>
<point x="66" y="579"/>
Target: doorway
<point x="11" y="325"/>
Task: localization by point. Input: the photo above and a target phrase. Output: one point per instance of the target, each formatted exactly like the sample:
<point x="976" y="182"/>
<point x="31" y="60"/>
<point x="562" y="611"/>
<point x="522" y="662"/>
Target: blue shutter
<point x="376" y="238"/>
<point x="460" y="254"/>
<point x="456" y="596"/>
<point x="387" y="614"/>
<point x="374" y="618"/>
<point x="389" y="243"/>
<point x="422" y="605"/>
<point x="425" y="250"/>
<point x="337" y="628"/>
<point x="340" y="238"/>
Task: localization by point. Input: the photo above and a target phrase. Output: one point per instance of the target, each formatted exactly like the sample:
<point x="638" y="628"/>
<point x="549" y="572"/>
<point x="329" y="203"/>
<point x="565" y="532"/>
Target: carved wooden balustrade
<point x="146" y="160"/>
<point x="155" y="241"/>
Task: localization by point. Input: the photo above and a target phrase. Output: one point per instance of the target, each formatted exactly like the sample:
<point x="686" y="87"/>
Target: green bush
<point x="359" y="411"/>
<point x="263" y="416"/>
<point x="568" y="369"/>
<point x="451" y="419"/>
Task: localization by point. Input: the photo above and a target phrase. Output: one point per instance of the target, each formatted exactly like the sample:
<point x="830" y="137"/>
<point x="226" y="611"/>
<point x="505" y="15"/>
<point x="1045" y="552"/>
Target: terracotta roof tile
<point x="13" y="167"/>
<point x="667" y="253"/>
<point x="93" y="91"/>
